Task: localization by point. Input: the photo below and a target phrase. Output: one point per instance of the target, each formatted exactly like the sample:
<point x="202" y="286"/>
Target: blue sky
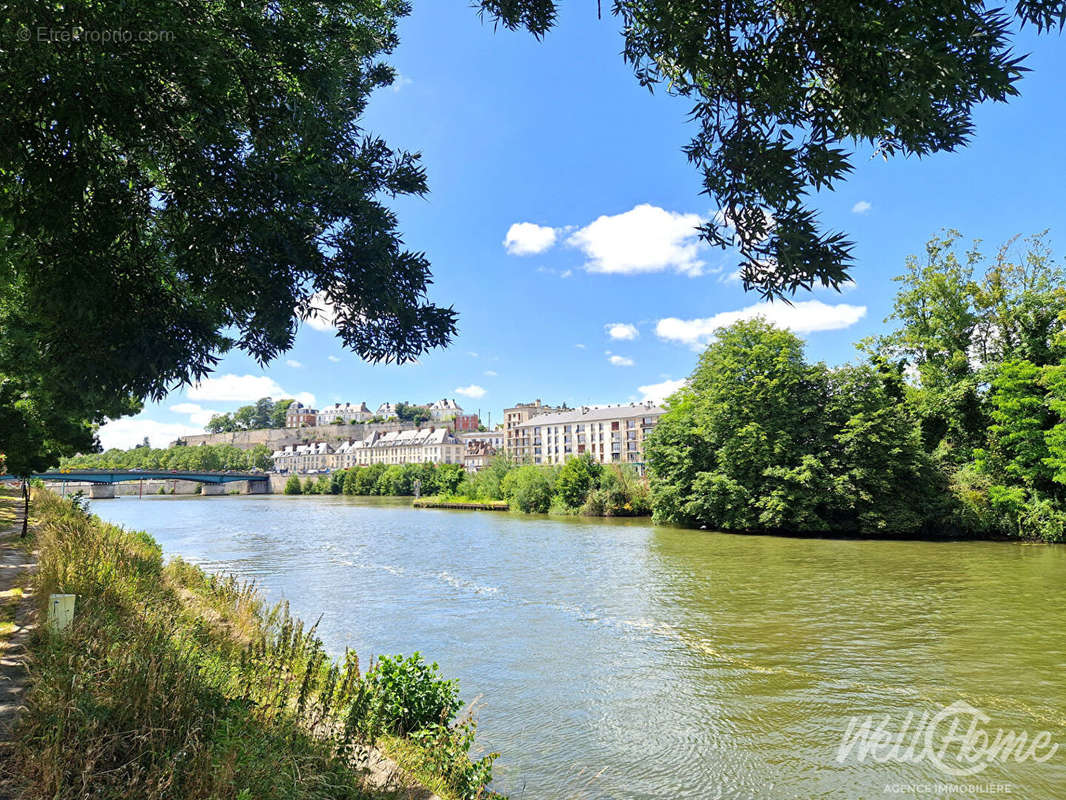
<point x="599" y="293"/>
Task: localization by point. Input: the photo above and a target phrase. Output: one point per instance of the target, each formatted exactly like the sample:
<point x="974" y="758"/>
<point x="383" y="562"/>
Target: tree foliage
<point x="171" y="197"/>
<point x="780" y="91"/>
<point x="205" y="457"/>
<point x="954" y="423"/>
<point x="761" y="440"/>
<point x="264" y="413"/>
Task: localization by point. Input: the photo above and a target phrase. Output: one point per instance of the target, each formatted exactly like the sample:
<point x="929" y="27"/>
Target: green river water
<point x="617" y="659"/>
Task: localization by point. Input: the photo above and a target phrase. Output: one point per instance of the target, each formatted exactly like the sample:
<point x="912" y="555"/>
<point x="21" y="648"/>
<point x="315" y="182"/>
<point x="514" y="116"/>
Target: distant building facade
<point x="518" y="444"/>
<point x="609" y="434"/>
<point x="347" y="413"/>
<point x="480" y="447"/>
<point x="432" y="445"/>
<point x="314" y="457"/>
<point x="444" y="409"/>
<point x="466" y="422"/>
<point x="297" y="415"/>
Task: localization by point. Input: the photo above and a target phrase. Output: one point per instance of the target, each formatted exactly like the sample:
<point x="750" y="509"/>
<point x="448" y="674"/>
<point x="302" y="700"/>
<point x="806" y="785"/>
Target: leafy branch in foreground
<point x="780" y="89"/>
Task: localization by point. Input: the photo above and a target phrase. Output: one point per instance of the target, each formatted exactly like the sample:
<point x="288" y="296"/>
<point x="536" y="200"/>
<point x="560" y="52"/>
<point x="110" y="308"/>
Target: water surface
<point x="616" y="659"/>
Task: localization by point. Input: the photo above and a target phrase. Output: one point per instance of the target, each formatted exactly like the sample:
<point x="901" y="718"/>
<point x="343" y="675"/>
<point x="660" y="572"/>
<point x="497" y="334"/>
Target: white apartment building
<point x="314" y="457"/>
<point x="517" y="443"/>
<point x="347" y="413"/>
<point x="435" y="445"/>
<point x="610" y="434"/>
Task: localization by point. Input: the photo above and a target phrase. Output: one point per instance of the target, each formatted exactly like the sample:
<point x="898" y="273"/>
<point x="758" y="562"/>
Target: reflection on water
<point x="615" y="659"/>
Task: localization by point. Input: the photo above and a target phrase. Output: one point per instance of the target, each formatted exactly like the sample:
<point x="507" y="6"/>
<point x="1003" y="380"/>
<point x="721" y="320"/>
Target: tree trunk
<point x="25" y="507"/>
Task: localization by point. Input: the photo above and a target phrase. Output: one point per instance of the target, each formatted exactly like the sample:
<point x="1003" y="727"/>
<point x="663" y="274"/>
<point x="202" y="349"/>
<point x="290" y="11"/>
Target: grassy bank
<point x="173" y="683"/>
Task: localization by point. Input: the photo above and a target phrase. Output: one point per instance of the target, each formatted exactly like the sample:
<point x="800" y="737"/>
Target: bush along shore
<point x="580" y="486"/>
<point x="175" y="683"/>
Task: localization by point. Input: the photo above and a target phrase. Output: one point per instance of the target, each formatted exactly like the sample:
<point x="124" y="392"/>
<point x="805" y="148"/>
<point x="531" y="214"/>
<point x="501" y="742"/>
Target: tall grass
<point x="172" y="683"/>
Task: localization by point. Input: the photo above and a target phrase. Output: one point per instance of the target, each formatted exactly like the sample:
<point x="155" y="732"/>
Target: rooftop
<point x="596" y="414"/>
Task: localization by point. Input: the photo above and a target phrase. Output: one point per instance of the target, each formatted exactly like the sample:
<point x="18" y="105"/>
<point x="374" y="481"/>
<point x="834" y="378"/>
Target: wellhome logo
<point x="955" y="740"/>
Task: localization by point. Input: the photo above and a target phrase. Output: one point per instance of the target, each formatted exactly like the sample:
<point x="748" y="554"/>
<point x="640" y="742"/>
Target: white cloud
<point x="657" y="392"/>
<point x="644" y="239"/>
<point x="198" y="415"/>
<point x="620" y="361"/>
<point x="472" y="354"/>
<point x="861" y="207"/>
<point x="400" y="81"/>
<point x="804" y="317"/>
<point x="293" y="363"/>
<point x="491" y="373"/>
<point x="334" y="359"/>
<point x="473" y="390"/>
<point x="243" y="389"/>
<point x="323" y="315"/>
<point x="579" y="346"/>
<point x="129" y="432"/>
<point x="566" y="273"/>
<point x="622" y="330"/>
<point x="528" y="238"/>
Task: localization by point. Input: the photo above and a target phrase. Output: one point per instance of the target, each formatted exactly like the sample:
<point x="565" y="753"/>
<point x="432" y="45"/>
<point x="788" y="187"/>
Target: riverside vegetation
<point x="207" y="457"/>
<point x="172" y="682"/>
<point x="954" y="423"/>
<point x="579" y="486"/>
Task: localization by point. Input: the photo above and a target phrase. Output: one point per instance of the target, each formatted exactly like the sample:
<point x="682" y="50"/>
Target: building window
<point x="614" y="426"/>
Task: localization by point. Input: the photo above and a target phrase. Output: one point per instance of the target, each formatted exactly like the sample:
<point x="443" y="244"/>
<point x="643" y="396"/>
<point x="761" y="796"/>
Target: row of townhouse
<point x="609" y="434"/>
<point x="435" y="445"/>
<point x="313" y="457"/>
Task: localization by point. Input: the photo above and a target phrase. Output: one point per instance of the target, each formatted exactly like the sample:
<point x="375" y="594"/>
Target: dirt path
<point x="16" y="612"/>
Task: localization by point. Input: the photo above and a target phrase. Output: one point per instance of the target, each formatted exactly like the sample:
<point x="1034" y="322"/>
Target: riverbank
<point x="172" y="682"/>
<point x="461" y="503"/>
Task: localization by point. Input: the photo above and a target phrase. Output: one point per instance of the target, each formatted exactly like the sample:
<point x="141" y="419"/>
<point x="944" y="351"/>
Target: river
<point x="617" y="659"/>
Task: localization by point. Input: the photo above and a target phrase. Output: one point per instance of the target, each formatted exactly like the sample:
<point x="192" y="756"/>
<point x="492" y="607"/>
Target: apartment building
<point x="610" y="434"/>
<point x="347" y="413"/>
<point x="314" y="457"/>
<point x="517" y="444"/>
<point x="297" y="415"/>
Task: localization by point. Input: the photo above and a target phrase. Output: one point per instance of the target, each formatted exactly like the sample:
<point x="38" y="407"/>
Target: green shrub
<point x="292" y="485"/>
<point x="412" y="694"/>
<point x="446" y="753"/>
<point x="576" y="478"/>
<point x="529" y="489"/>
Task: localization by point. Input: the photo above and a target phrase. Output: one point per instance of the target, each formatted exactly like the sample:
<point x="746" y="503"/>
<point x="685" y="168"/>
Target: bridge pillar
<point x="212" y="489"/>
<point x="261" y="486"/>
<point x="101" y="491"/>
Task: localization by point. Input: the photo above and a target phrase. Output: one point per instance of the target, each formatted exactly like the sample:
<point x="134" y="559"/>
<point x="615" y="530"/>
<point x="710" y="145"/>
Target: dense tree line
<point x="382" y="479"/>
<point x="953" y="423"/>
<point x="264" y="413"/>
<point x="207" y="457"/>
<point x="579" y="486"/>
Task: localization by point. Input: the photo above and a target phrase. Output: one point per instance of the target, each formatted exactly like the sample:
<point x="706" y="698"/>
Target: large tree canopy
<point x="780" y="90"/>
<point x="181" y="179"/>
<point x="200" y="185"/>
